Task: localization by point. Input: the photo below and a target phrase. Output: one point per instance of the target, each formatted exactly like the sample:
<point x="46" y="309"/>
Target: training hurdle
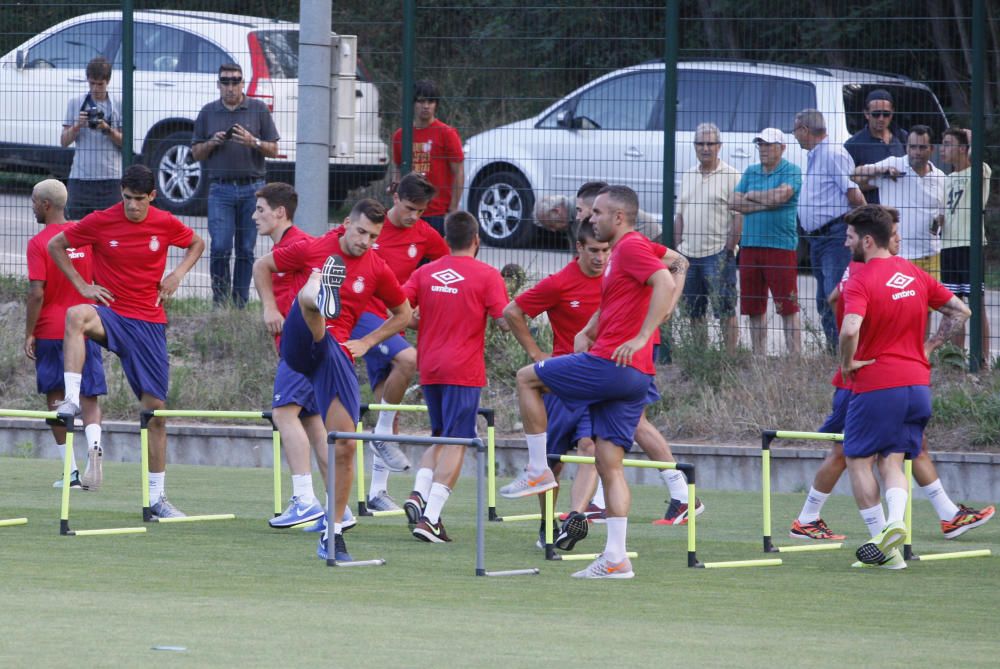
<point x="692" y="555"/>
<point x="766" y="437"/>
<point x="476" y="443"/>
<point x="69" y="423"/>
<point x="11" y="522"/>
<point x="908" y="553"/>
<point x="147" y="414"/>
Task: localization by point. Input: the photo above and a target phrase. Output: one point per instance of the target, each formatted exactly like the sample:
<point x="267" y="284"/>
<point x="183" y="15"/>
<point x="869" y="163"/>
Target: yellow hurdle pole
<point x="491" y="471"/>
<point x="692" y="523"/>
<point x="144" y="464"/>
<point x="67" y="472"/>
<point x="765" y="486"/>
<point x="808" y="548"/>
<point x="815" y="436"/>
<point x="11" y="522"/>
<point x="771" y="562"/>
<point x="547" y="518"/>
<point x="522" y="517"/>
<point x="189" y="413"/>
<point x="18" y="413"/>
<point x="412" y="408"/>
<point x="110" y="530"/>
<point x="359" y="465"/>
<point x="985" y="552"/>
<point x="641" y="464"/>
<point x="589" y="556"/>
<point x="198" y="519"/>
<point x="276" y="451"/>
<point x="908" y="517"/>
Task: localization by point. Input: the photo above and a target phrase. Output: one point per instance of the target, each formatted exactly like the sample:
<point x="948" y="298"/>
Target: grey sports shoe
<point x="391" y="455"/>
<point x="93" y="476"/>
<point x="382" y="502"/>
<point x="74" y="481"/>
<point x="602" y="568"/>
<point x="164" y="509"/>
<point x="68" y="407"/>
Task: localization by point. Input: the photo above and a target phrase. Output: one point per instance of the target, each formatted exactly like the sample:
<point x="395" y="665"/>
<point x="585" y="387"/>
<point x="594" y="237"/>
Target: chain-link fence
<point x="545" y="98"/>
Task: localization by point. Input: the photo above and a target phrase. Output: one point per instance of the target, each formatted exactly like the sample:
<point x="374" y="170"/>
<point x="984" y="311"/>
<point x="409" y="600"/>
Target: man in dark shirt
<point x="232" y="136"/>
<point x="878" y="139"/>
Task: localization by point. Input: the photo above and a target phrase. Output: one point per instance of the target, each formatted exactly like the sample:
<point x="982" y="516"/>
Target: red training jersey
<point x="625" y="298"/>
<point x="130" y="258"/>
<point x="59" y="294"/>
<point x="892" y="296"/>
<point x="286" y="285"/>
<point x="403" y="249"/>
<point x="455" y="295"/>
<point x="367" y="276"/>
<point x="852" y="268"/>
<point x="569" y="297"/>
<point x="434" y="149"/>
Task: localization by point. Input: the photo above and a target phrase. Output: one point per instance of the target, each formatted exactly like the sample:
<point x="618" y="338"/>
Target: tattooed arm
<point x="677" y="265"/>
<point x="954" y="313"/>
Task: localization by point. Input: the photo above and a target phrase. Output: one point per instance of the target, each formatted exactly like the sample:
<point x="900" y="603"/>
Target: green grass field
<point x="238" y="593"/>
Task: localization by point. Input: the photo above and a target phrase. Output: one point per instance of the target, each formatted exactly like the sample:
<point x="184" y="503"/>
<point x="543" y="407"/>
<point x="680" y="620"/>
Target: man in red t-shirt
<point x="612" y="371"/>
<point x="49" y="296"/>
<point x="454" y="296"/>
<point x="129" y="242"/>
<point x="884" y="356"/>
<point x="315" y="336"/>
<point x="437" y="154"/>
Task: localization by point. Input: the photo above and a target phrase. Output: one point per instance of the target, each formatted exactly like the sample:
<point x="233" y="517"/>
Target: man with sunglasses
<point x="232" y="137"/>
<point x="878" y="140"/>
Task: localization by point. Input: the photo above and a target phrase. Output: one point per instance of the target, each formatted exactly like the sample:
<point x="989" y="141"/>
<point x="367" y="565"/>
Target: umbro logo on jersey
<point x="899" y="282"/>
<point x="575" y="304"/>
<point x="113" y="243"/>
<point x="447" y="277"/>
<point x="73" y="254"/>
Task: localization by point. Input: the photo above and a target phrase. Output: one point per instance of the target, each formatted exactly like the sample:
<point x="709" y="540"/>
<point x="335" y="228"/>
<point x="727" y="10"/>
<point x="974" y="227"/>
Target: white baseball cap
<point x="769" y="136"/>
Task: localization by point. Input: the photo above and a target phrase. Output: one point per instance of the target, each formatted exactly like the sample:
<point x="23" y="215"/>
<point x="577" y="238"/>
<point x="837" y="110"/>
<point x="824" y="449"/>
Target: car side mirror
<point x="22" y="57"/>
<point x="564" y="119"/>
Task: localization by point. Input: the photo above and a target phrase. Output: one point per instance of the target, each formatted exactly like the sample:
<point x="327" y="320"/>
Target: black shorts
<point x="955" y="270"/>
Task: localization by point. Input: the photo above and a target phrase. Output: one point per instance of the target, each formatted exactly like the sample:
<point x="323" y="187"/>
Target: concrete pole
<point x="312" y="136"/>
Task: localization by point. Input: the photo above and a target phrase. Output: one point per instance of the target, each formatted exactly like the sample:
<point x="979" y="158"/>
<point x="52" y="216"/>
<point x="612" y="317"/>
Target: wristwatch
<point x="256" y="143"/>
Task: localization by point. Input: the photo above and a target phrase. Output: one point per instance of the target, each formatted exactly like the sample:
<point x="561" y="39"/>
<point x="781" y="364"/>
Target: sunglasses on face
<point x="880" y="114"/>
<point x="230" y="81"/>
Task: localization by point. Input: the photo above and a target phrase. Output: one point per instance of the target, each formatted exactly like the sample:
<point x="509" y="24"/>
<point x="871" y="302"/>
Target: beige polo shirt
<point x="704" y="204"/>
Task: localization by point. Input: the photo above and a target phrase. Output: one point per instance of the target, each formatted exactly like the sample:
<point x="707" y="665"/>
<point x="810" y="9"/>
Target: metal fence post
<point x="978" y="126"/>
<point x="406" y="86"/>
<point x="670" y="51"/>
<point x="128" y="73"/>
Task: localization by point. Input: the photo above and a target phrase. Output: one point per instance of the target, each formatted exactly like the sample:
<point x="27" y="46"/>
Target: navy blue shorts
<point x="887" y="421"/>
<point x="290" y="387"/>
<point x="324" y="363"/>
<point x="565" y="426"/>
<point x="834" y="423"/>
<point x="49" y="368"/>
<point x="615" y="395"/>
<point x="142" y="348"/>
<point x="452" y="410"/>
<point x="378" y="359"/>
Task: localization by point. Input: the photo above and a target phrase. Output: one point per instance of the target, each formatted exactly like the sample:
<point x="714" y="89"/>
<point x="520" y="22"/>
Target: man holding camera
<point x="93" y="122"/>
<point x="232" y="136"/>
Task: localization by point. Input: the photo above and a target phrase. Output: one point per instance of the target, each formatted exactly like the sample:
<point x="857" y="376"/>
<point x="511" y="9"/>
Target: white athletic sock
<point x="72" y="380"/>
<point x="93" y="433"/>
<point x="157" y="486"/>
<point x="614" y="549"/>
<point x="302" y="487"/>
<point x="423" y="482"/>
<point x="677" y="483"/>
<point x="385" y="420"/>
<point x="380" y="477"/>
<point x="337" y="529"/>
<point x="874" y="518"/>
<point x="439" y="495"/>
<point x="895" y="499"/>
<point x="72" y="455"/>
<point x="813" y="505"/>
<point x="946" y="509"/>
<point x="537" y="460"/>
<point x="599" y="495"/>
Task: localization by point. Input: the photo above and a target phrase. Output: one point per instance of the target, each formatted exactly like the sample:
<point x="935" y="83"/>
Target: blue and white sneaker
<point x="340" y="553"/>
<point x="346" y="523"/>
<point x="297" y="513"/>
<point x="328" y="298"/>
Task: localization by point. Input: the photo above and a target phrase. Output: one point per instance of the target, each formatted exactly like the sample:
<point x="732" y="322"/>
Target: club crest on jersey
<point x="447" y="277"/>
<point x="154" y="244"/>
<point x="412" y="251"/>
<point x="359" y="285"/>
<point x="899" y="282"/>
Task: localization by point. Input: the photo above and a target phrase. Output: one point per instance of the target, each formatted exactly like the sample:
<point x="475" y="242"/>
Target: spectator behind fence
<point x="232" y="136"/>
<point x="827" y="195"/>
<point x="93" y="122"/>
<point x="912" y="185"/>
<point x="437" y="154"/>
<point x="878" y="140"/>
<point x="556" y="213"/>
<point x="956" y="236"/>
<point x="767" y="195"/>
<point x="707" y="232"/>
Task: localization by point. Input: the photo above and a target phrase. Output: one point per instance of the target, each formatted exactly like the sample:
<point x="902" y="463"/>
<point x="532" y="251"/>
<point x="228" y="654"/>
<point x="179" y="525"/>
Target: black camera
<point x="230" y="131"/>
<point x="94" y="117"/>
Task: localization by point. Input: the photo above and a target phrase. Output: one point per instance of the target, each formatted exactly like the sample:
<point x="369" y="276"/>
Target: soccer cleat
<point x="393" y="457"/>
<point x="893" y="561"/>
<point x="677" y="512"/>
<point x="93" y="476"/>
<point x="432" y="533"/>
<point x="540" y="543"/>
<point x="596" y="514"/>
<point x="965" y="520"/>
<point x="328" y="297"/>
<point x="877" y="550"/>
<point x="67" y="408"/>
<point x="602" y="568"/>
<point x="814" y="530"/>
<point x="347" y="521"/>
<point x="573" y="529"/>
<point x="164" y="509"/>
<point x="527" y="484"/>
<point x="414" y="507"/>
<point x="298" y="512"/>
<point x="382" y="502"/>
<point x="340" y="553"/>
<point x="74" y="481"/>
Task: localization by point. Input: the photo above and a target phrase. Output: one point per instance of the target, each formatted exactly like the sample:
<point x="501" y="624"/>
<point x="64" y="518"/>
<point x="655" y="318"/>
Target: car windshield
<point x="281" y="49"/>
<point x="914" y="105"/>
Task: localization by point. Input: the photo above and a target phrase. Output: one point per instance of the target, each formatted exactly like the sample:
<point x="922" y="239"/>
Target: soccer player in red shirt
<point x="406" y="241"/>
<point x="315" y="336"/>
<point x="437" y="153"/>
<point x="454" y="296"/>
<point x="884" y="355"/>
<point x="611" y="373"/>
<point x="129" y="243"/>
<point x="49" y="296"/>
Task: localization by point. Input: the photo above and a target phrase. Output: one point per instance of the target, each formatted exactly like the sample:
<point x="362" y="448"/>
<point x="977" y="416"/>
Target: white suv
<point x="611" y="130"/>
<point x="177" y="58"/>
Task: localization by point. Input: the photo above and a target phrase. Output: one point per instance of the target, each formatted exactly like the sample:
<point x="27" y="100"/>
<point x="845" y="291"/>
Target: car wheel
<point x="503" y="204"/>
<point x="180" y="186"/>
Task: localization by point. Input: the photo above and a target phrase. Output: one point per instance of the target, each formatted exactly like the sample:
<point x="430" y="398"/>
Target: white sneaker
<point x="602" y="568"/>
<point x="526" y="485"/>
<point x="93" y="476"/>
